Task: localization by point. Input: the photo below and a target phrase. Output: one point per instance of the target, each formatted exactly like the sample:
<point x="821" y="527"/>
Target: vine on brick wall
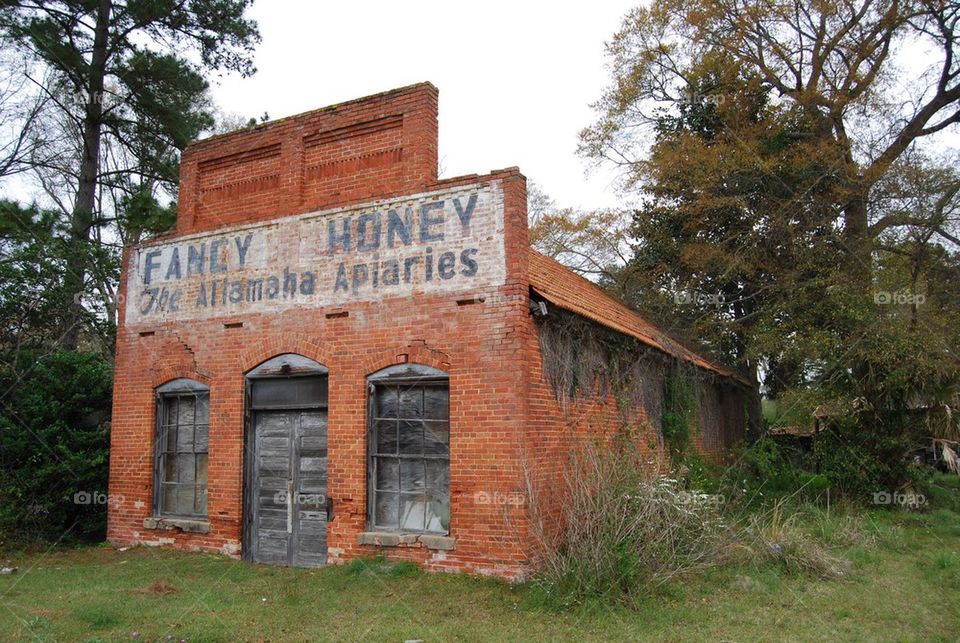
<point x="583" y="361"/>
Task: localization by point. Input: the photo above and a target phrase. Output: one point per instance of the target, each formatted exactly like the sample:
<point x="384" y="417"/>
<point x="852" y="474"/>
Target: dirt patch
<point x="159" y="588"/>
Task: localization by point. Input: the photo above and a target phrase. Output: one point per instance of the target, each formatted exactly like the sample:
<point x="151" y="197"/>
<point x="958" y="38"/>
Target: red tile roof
<point x="566" y="289"/>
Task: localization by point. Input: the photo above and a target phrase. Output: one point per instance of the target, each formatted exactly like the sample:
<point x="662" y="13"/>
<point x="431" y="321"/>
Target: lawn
<point x="905" y="587"/>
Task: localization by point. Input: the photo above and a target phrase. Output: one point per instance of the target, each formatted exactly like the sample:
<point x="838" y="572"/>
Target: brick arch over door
<point x="297" y="344"/>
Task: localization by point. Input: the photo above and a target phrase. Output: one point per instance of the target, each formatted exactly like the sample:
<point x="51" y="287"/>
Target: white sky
<point x="516" y="78"/>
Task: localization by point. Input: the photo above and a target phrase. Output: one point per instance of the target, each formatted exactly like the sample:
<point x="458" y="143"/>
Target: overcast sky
<point x="516" y="78"/>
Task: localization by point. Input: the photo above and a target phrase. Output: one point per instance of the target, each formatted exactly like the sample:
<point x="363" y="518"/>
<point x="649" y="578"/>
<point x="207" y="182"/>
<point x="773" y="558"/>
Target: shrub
<point x="777" y="536"/>
<point x="54" y="443"/>
<point x="626" y="530"/>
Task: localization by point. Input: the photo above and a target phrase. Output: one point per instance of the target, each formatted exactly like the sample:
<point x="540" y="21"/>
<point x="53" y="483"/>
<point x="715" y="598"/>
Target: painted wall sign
<point x="437" y="242"/>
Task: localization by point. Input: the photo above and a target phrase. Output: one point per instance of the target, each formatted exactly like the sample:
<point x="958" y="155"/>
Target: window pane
<point x="438" y="476"/>
<point x="203" y="409"/>
<point x="438" y="513"/>
<point x="412" y="511"/>
<point x="171" y="438"/>
<point x="386" y="402"/>
<point x="386" y="438"/>
<point x="185" y="498"/>
<point x="436" y="437"/>
<point x="170" y="411"/>
<point x="185" y="410"/>
<point x="436" y="403"/>
<point x="307" y="391"/>
<point x="202" y="471"/>
<point x="411" y="402"/>
<point x="411" y="475"/>
<point x="200" y="443"/>
<point x="201" y="502"/>
<point x="388" y="474"/>
<point x="169" y="468"/>
<point x="411" y="437"/>
<point x="386" y="510"/>
<point x="185" y="438"/>
<point x="185" y="467"/>
<point x="168" y="498"/>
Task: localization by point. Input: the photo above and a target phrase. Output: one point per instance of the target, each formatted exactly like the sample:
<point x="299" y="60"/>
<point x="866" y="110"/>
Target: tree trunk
<point x="859" y="265"/>
<point x="754" y="405"/>
<point x="82" y="217"/>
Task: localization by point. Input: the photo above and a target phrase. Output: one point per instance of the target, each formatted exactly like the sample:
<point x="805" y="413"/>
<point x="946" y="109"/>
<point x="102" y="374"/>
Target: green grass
<point x="905" y="586"/>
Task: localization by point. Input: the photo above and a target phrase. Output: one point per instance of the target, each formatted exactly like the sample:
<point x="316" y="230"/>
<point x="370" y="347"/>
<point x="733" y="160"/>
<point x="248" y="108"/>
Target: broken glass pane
<point x="438" y="513"/>
<point x="412" y="511"/>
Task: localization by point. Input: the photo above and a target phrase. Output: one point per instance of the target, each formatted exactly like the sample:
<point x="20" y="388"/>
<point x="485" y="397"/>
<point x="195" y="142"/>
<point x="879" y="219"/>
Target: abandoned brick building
<point x="337" y="354"/>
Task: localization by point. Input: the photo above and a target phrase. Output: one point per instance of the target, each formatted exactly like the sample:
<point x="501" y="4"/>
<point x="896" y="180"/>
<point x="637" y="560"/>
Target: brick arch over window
<point x="418" y="353"/>
<point x="167" y="373"/>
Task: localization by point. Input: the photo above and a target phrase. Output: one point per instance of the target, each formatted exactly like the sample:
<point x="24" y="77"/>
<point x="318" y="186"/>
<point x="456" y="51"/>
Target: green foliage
<point x="787" y="228"/>
<point x="54" y="441"/>
<point x="36" y="253"/>
<point x="679" y="403"/>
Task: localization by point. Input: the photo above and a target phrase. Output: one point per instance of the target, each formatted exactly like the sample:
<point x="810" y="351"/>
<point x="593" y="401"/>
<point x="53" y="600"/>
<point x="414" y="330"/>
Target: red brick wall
<point x="375" y="147"/>
<point x="478" y="344"/>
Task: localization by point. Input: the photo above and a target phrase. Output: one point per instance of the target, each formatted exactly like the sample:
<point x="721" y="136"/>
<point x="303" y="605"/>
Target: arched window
<point x="180" y="471"/>
<point x="408" y="463"/>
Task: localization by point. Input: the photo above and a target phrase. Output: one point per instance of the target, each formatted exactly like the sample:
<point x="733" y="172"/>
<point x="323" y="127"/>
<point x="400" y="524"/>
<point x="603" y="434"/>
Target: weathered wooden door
<point x="286" y="479"/>
<point x="290" y="488"/>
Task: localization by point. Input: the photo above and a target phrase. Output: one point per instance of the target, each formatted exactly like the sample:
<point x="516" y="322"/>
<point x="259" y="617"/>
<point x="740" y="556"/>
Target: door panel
<point x="289" y="485"/>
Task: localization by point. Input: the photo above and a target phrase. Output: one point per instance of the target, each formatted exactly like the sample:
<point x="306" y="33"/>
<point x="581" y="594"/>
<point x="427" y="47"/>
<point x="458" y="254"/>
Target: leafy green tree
<point x="54" y="446"/>
<point x="126" y="79"/>
<point x="781" y="172"/>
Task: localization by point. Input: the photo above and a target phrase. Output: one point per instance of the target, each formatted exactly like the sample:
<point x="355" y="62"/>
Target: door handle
<point x="289" y="506"/>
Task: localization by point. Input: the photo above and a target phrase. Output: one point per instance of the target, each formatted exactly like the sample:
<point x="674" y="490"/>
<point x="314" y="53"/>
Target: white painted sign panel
<point x="439" y="242"/>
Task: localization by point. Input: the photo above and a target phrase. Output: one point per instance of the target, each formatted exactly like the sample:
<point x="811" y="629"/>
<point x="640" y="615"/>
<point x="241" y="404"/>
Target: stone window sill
<point x="398" y="539"/>
<point x="189" y="525"/>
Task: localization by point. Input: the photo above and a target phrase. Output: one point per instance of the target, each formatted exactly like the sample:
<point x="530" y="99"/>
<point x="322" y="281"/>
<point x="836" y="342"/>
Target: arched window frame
<point x="415" y="475"/>
<point x="180" y="460"/>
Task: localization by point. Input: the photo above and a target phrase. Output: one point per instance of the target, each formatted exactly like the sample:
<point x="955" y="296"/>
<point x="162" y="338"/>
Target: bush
<point x="54" y="443"/>
<point x="777" y="536"/>
<point x="626" y="531"/>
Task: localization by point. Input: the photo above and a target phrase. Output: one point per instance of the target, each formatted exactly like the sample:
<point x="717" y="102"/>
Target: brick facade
<point x="370" y="155"/>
